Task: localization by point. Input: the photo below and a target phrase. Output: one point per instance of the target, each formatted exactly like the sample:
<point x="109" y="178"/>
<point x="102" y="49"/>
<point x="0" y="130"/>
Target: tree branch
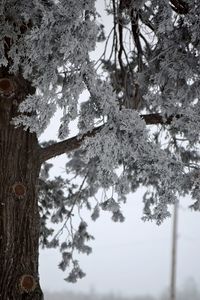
<point x="75" y="142"/>
<point x="65" y="146"/>
<point x="179" y="6"/>
<point x="136" y="36"/>
<point x="120" y="29"/>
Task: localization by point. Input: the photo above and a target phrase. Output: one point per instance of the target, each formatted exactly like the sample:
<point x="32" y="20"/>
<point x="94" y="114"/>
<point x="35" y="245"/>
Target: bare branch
<point x="75" y="142"/>
<point x="179" y="6"/>
<point x="120" y="29"/>
<point x="65" y="146"/>
<point x="136" y="37"/>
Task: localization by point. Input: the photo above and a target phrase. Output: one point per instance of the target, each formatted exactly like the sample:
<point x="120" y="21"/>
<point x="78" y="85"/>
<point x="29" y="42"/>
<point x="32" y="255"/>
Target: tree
<point x="148" y="75"/>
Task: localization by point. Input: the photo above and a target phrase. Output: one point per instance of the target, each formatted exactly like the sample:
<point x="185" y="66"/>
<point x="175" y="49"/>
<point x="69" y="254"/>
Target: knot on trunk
<point x="19" y="190"/>
<point x="27" y="283"/>
<point x="7" y="87"/>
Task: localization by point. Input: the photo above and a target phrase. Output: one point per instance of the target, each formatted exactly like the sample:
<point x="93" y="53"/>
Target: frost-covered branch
<point x="75" y="142"/>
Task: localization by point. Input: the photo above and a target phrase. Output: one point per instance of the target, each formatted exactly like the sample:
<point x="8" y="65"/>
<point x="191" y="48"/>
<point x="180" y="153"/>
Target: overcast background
<point x="130" y="258"/>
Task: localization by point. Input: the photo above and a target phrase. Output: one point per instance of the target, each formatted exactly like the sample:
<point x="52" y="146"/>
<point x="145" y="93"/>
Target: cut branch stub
<point x="6" y="87"/>
<point x="19" y="190"/>
<point x="27" y="283"/>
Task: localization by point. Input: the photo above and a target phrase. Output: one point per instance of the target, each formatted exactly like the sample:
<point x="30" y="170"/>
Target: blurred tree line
<point x="189" y="291"/>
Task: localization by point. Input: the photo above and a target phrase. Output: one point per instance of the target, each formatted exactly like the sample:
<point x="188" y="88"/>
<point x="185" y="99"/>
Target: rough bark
<point x="19" y="215"/>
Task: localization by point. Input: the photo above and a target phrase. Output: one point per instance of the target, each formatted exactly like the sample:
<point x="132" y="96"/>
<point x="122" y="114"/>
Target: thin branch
<point x="136" y="37"/>
<point x="120" y="29"/>
<point x="146" y="43"/>
<point x="75" y="142"/>
<point x="103" y="55"/>
<point x="69" y="214"/>
<point x="122" y="50"/>
<point x="115" y="38"/>
<point x="146" y="21"/>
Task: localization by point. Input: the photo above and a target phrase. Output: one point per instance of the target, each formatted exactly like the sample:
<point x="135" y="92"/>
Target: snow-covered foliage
<point x="49" y="43"/>
<point x="151" y="69"/>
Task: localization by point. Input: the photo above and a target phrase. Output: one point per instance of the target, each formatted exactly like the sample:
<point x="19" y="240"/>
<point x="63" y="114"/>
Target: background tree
<point x="189" y="291"/>
<point x="149" y="76"/>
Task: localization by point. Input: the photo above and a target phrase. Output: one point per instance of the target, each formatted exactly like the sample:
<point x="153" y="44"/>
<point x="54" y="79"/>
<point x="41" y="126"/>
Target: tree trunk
<point x="19" y="215"/>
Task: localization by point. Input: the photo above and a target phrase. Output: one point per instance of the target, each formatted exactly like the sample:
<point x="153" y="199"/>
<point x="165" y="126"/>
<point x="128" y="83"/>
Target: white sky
<point x="132" y="257"/>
